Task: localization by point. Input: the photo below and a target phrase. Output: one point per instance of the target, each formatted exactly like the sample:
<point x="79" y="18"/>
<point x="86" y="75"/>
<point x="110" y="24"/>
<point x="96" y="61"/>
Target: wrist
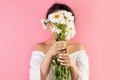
<point x="72" y="65"/>
<point x="49" y="55"/>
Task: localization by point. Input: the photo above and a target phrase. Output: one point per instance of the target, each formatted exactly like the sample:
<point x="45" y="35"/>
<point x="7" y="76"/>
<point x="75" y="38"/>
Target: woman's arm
<point x="46" y="61"/>
<point x="80" y="70"/>
<point x="74" y="71"/>
<point x="45" y="64"/>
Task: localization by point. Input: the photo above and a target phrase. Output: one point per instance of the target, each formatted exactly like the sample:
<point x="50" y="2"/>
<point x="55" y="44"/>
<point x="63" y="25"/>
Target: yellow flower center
<point x="57" y="16"/>
<point x="70" y="28"/>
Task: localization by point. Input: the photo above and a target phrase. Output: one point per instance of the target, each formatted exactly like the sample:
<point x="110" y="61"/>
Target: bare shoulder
<point x="39" y="46"/>
<point x="77" y="46"/>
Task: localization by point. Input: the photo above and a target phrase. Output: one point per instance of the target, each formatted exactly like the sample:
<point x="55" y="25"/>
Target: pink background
<point x="97" y="24"/>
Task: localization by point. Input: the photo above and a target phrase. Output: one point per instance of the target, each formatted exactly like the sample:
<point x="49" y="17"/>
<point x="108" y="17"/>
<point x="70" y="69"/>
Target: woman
<point x="75" y="57"/>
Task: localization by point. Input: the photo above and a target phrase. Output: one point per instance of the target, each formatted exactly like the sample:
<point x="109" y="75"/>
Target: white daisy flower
<point x="71" y="29"/>
<point x="55" y="17"/>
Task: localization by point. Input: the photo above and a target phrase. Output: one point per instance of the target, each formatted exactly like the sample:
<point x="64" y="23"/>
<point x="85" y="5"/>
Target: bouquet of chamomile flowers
<point x="62" y="24"/>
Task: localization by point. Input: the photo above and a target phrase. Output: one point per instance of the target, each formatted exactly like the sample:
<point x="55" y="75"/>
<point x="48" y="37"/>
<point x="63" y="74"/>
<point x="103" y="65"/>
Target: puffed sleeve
<point x="34" y="71"/>
<point x="82" y="63"/>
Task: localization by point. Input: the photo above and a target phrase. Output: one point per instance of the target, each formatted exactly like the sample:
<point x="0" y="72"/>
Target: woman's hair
<point x="59" y="6"/>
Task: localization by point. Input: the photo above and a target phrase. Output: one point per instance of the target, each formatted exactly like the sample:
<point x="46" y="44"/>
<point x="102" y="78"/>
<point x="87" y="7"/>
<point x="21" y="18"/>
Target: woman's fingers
<point x="64" y="59"/>
<point x="60" y="48"/>
<point x="61" y="42"/>
<point x="63" y="56"/>
<point x="64" y="62"/>
<point x="60" y="45"/>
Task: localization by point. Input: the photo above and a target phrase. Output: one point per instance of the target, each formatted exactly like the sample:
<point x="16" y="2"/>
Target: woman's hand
<point x="65" y="59"/>
<point x="46" y="62"/>
<point x="54" y="49"/>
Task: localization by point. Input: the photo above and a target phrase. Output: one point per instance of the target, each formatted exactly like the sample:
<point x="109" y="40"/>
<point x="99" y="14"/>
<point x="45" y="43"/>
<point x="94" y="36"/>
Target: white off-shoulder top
<point x="80" y="58"/>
